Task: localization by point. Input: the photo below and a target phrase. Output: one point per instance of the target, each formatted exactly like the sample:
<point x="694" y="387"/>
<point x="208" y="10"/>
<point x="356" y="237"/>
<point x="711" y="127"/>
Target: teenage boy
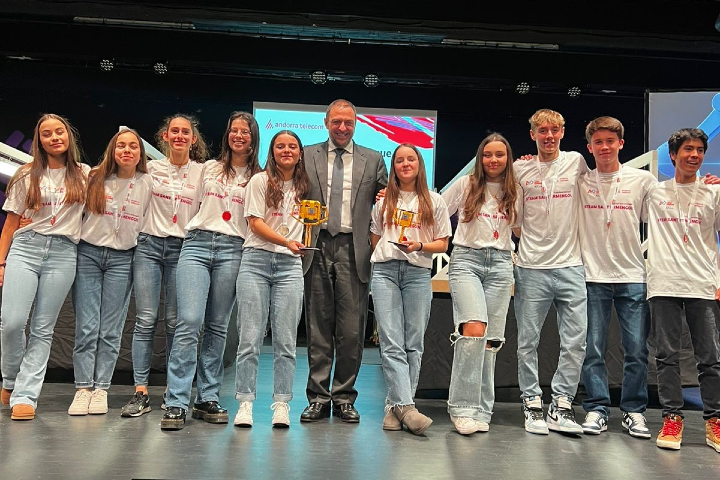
<point x="612" y="201"/>
<point x="549" y="270"/>
<point x="683" y="220"/>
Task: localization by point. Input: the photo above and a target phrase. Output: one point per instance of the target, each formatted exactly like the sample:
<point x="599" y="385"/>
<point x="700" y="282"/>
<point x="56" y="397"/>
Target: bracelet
<point x="2" y="264"/>
<point x="420" y="247"/>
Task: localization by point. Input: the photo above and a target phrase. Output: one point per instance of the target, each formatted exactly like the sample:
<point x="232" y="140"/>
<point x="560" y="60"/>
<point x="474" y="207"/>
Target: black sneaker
<point x="174" y="419"/>
<point x="211" y="412"/>
<point x="138" y="405"/>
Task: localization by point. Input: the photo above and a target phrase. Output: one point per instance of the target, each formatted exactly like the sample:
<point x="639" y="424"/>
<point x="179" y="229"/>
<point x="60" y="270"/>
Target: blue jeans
<point x="535" y="291"/>
<point x="154" y="267"/>
<point x="101" y="296"/>
<point x="402" y="295"/>
<point x="480" y="285"/>
<point x="206" y="276"/>
<point x="270" y="284"/>
<point x="40" y="268"/>
<point x="633" y="314"/>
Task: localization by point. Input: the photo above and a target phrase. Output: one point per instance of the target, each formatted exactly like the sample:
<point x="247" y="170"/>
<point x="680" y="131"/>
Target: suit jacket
<point x="369" y="176"/>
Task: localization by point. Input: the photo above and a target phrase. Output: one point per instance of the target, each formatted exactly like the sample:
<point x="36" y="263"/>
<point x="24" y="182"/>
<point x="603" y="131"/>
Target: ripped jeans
<point x="480" y="285"/>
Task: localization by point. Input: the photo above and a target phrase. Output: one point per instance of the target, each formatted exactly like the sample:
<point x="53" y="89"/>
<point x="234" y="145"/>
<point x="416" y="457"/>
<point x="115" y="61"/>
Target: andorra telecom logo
<point x="269" y="125"/>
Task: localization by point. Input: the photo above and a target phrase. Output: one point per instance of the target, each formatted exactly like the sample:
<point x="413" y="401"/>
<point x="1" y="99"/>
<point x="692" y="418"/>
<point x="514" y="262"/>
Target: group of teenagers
<point x="208" y="234"/>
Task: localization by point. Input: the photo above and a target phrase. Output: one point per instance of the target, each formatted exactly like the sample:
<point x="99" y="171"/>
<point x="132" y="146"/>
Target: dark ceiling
<point x="622" y="46"/>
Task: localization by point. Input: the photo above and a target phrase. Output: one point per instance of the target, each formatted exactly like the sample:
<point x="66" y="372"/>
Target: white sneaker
<point x="244" y="415"/>
<point x="595" y="423"/>
<point x="468" y="426"/>
<point x="636" y="425"/>
<point x="80" y="403"/>
<point x="281" y="415"/>
<point x="561" y="417"/>
<point x="98" y="402"/>
<point x="534" y="423"/>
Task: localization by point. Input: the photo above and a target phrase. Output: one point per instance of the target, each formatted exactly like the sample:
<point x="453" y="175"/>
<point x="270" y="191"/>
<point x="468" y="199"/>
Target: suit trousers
<point x="336" y="304"/>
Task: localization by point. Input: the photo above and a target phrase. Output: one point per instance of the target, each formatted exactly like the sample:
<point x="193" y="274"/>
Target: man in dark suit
<point x="346" y="177"/>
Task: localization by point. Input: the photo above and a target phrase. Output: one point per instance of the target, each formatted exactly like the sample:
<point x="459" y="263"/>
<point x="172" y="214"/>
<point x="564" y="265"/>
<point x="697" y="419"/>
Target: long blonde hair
<point x="75" y="181"/>
<point x="476" y="195"/>
<point x="96" y="184"/>
<point x="392" y="193"/>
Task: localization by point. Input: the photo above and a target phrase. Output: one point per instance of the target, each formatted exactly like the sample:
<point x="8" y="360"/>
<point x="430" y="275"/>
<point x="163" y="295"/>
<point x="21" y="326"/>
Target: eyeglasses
<point x="241" y="133"/>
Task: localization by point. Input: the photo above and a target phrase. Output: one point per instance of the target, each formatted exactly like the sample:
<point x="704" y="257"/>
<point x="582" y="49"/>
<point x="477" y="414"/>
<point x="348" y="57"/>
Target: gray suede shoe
<point x="415" y="421"/>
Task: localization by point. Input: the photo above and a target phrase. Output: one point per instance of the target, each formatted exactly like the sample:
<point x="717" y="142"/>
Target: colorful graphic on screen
<point x="670" y="111"/>
<point x="379" y="129"/>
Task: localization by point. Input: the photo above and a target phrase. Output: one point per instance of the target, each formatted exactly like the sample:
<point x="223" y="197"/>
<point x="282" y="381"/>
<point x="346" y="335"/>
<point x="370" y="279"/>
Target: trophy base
<point x="397" y="244"/>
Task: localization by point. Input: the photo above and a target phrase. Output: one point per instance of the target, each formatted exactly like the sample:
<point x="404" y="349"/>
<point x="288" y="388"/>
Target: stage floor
<point x="56" y="445"/>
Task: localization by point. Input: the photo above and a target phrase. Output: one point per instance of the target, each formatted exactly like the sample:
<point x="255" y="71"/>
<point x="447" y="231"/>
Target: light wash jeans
<point x="269" y="284"/>
<point x="206" y="276"/>
<point x="40" y="268"/>
<point x="101" y="296"/>
<point x="535" y="291"/>
<point x="633" y="312"/>
<point x="154" y="268"/>
<point x="480" y="285"/>
<point x="402" y="295"/>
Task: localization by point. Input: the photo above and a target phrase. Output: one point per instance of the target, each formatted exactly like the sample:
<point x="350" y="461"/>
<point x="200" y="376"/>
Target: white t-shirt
<point x="275" y="218"/>
<point x="676" y="268"/>
<point x="175" y="191"/>
<point x="480" y="231"/>
<point x="550" y="211"/>
<point x="125" y="210"/>
<point x="68" y="218"/>
<point x="220" y="195"/>
<point x="614" y="254"/>
<point x="385" y="251"/>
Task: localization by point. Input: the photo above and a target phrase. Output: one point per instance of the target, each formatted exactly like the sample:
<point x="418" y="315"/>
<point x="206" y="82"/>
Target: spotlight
<point x="318" y="77"/>
<point x="574" y="92"/>
<point x="522" y="88"/>
<point x="106" y="64"/>
<point x="160" y="68"/>
<point x="371" y="80"/>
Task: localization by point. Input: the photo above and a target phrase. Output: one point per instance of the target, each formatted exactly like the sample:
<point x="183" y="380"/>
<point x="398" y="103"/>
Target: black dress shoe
<point x="346" y="412"/>
<point x="211" y="412"/>
<point x="174" y="419"/>
<point x="315" y="411"/>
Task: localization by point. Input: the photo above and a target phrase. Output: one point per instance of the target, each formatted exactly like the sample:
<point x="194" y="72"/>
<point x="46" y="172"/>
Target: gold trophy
<point x="311" y="214"/>
<point x="404" y="219"/>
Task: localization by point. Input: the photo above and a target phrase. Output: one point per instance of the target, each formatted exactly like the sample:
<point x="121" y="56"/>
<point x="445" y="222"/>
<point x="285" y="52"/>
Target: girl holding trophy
<point x="408" y="225"/>
<point x="206" y="274"/>
<point x="481" y="276"/>
<point x="271" y="278"/>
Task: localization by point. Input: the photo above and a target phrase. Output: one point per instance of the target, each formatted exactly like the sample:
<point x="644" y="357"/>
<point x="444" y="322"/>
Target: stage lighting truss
<point x="319" y="77"/>
<point x="107" y="64"/>
<point x="371" y="80"/>
<point x="522" y="88"/>
<point x="574" y="92"/>
<point x="160" y="68"/>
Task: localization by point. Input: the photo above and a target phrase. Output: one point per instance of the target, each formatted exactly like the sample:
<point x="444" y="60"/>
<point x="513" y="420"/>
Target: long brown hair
<point x="96" y="183"/>
<point x="274" y="194"/>
<point x="476" y="194"/>
<point x="199" y="151"/>
<point x="75" y="181"/>
<point x="225" y="158"/>
<point x="392" y="193"/>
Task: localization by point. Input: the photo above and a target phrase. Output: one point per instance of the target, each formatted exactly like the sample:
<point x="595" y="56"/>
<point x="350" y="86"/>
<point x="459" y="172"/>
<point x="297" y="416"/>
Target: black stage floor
<point x="56" y="446"/>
